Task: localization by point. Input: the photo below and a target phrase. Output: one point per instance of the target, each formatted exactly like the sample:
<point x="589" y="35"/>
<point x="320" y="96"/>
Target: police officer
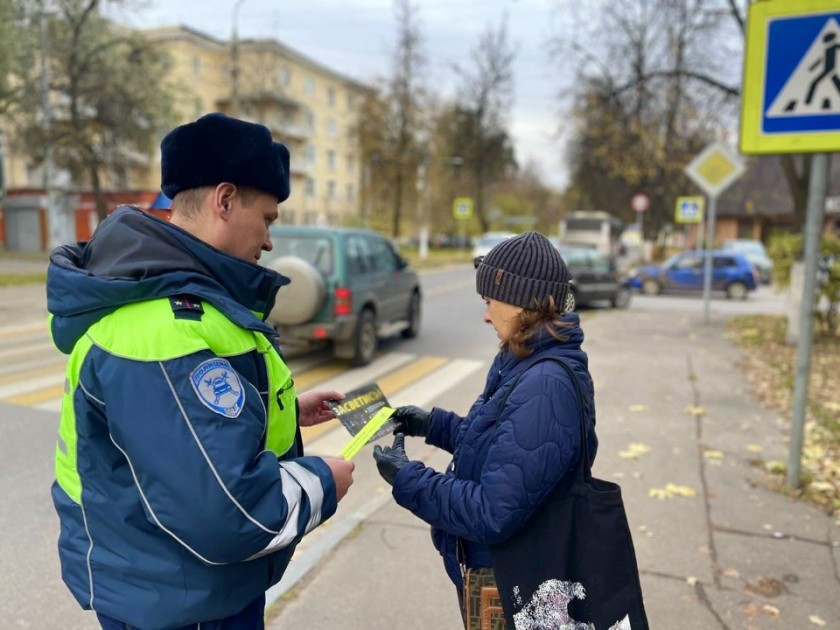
<point x="181" y="484"/>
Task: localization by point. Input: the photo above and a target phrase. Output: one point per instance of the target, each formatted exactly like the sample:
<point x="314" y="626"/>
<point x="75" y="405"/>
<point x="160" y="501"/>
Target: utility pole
<point x="234" y="52"/>
<point x="53" y="215"/>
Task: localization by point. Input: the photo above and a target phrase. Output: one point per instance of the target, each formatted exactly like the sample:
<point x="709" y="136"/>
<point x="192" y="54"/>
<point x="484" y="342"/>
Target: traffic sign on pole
<point x="640" y="202"/>
<point x="715" y="169"/>
<point x="791" y="87"/>
<point x="462" y="208"/>
<point x="689" y="209"/>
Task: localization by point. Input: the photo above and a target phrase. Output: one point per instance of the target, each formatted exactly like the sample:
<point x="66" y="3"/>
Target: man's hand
<point x="314" y="408"/>
<point x="391" y="459"/>
<point x="342" y="472"/>
<point x="411" y="420"/>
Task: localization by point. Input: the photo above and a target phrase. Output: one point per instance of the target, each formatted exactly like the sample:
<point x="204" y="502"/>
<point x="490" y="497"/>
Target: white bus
<point x="592" y="228"/>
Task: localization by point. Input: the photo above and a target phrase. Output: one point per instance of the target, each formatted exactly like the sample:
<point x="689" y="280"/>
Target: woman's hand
<point x="391" y="459"/>
<point x="411" y="420"/>
<point x="314" y="409"/>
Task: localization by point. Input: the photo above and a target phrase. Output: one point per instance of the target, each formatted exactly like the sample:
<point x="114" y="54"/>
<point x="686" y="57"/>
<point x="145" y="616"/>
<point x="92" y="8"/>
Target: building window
<point x="331" y="160"/>
<point x="309" y="86"/>
<point x="351" y="193"/>
<point x="284" y="77"/>
<point x="351" y="163"/>
<point x="310" y="186"/>
<point x="349" y="102"/>
<point x="310" y="120"/>
<point x="310" y="154"/>
<point x="332" y="128"/>
<point x="196" y="66"/>
<point x="331" y="189"/>
<point x="331" y="96"/>
<point x="287" y="216"/>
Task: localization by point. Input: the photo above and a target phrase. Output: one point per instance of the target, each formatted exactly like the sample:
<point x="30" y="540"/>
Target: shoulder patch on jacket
<point x="186" y="307"/>
<point x="218" y="387"/>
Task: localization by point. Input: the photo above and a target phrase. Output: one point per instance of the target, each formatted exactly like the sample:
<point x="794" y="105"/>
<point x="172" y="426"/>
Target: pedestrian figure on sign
<point x="829" y="67"/>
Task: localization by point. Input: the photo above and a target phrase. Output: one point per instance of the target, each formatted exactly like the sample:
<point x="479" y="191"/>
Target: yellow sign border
<point x="701" y="203"/>
<point x="752" y="139"/>
<point x="462" y="200"/>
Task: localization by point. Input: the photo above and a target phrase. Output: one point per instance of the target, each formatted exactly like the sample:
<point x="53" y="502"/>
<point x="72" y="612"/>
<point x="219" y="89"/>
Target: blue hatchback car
<point x="684" y="272"/>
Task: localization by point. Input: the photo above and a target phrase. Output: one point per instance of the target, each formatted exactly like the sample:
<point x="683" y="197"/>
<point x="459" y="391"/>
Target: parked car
<point x="487" y="242"/>
<point x="731" y="272"/>
<point x="595" y="277"/>
<point x="348" y="287"/>
<point x="756" y="255"/>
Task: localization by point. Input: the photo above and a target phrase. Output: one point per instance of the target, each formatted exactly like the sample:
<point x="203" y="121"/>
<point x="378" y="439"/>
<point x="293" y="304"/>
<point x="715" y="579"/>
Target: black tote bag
<point x="573" y="565"/>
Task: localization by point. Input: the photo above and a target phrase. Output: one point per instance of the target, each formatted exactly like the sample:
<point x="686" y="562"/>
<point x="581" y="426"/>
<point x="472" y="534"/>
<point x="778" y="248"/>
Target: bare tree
<point x="17" y="46"/>
<point x="108" y="99"/>
<point x="697" y="47"/>
<point x="485" y="100"/>
<point x="405" y="96"/>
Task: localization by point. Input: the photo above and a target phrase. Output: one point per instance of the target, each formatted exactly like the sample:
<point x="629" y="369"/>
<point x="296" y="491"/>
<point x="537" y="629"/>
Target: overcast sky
<point x="354" y="37"/>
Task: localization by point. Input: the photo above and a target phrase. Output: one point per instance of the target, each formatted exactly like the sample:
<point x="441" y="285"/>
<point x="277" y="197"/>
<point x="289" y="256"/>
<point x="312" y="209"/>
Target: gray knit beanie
<point x="524" y="270"/>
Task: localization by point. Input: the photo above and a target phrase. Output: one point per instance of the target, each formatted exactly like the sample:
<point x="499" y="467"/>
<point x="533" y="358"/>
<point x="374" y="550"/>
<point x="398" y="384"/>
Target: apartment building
<point x="307" y="106"/>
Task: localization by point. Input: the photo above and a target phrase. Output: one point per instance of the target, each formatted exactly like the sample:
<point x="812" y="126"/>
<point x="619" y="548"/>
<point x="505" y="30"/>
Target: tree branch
<point x="728" y="90"/>
<point x="736" y="13"/>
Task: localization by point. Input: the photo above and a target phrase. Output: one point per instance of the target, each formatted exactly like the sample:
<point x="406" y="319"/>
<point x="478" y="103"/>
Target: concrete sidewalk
<point x="733" y="555"/>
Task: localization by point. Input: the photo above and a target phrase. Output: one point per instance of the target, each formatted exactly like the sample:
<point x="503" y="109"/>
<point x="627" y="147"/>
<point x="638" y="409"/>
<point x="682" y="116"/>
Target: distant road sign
<point x="462" y="208"/>
<point x="791" y="86"/>
<point x="715" y="169"/>
<point x="640" y="202"/>
<point x="689" y="209"/>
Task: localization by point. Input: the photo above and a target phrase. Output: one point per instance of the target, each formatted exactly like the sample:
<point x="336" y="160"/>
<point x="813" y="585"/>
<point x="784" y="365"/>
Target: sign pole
<point x="813" y="232"/>
<point x="707" y="265"/>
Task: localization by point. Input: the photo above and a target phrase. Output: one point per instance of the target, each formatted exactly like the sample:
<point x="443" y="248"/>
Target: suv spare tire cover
<point x="299" y="301"/>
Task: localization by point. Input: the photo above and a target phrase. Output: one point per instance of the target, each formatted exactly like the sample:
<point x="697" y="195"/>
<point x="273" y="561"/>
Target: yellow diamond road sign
<point x="715" y="169"/>
<point x="791" y="86"/>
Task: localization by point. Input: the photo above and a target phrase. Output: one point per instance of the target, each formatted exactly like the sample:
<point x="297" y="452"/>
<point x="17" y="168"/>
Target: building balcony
<point x="300" y="167"/>
<point x="262" y="98"/>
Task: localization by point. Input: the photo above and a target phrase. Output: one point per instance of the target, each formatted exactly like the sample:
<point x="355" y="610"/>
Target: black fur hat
<point x="217" y="148"/>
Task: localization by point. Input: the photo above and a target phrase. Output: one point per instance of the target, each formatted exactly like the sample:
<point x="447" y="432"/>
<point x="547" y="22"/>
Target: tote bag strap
<point x="584" y="468"/>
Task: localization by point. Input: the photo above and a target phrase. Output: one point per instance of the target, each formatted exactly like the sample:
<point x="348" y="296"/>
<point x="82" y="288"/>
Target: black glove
<point x="391" y="459"/>
<point x="411" y="420"/>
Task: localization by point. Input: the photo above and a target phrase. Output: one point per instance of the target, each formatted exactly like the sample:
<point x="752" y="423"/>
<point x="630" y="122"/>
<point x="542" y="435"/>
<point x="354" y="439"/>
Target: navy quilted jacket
<point x="501" y="473"/>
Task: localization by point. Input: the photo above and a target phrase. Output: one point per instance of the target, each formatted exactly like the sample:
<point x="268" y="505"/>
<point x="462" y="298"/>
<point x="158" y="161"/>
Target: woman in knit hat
<point x="520" y="438"/>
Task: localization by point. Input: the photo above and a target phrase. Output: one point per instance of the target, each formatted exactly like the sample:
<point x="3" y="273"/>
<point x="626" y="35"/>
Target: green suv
<point x="348" y="286"/>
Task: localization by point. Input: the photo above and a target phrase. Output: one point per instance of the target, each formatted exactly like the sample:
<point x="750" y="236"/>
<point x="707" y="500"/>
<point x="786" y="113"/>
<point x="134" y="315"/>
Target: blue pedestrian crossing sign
<point x="689" y="209"/>
<point x="791" y="87"/>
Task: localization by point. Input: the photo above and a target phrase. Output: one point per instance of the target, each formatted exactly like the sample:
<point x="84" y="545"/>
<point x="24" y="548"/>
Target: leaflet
<point x="365" y="414"/>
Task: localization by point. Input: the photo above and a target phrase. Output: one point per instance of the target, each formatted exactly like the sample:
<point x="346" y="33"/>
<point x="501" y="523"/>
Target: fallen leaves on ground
<point x="816" y="620"/>
<point x="639" y="408"/>
<point x="634" y="451"/>
<point x="671" y="490"/>
<point x="769" y="364"/>
<point x="695" y="411"/>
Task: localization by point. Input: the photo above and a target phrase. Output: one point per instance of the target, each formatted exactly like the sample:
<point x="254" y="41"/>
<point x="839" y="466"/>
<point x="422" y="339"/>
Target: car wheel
<point x="303" y="297"/>
<point x="651" y="287"/>
<point x="736" y="291"/>
<point x="415" y="313"/>
<point x="364" y="343"/>
<point x="622" y="298"/>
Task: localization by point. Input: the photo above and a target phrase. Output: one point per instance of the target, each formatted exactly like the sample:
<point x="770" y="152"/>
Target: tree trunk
<point x="798" y="186"/>
<point x="98" y="196"/>
<point x="398" y="200"/>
